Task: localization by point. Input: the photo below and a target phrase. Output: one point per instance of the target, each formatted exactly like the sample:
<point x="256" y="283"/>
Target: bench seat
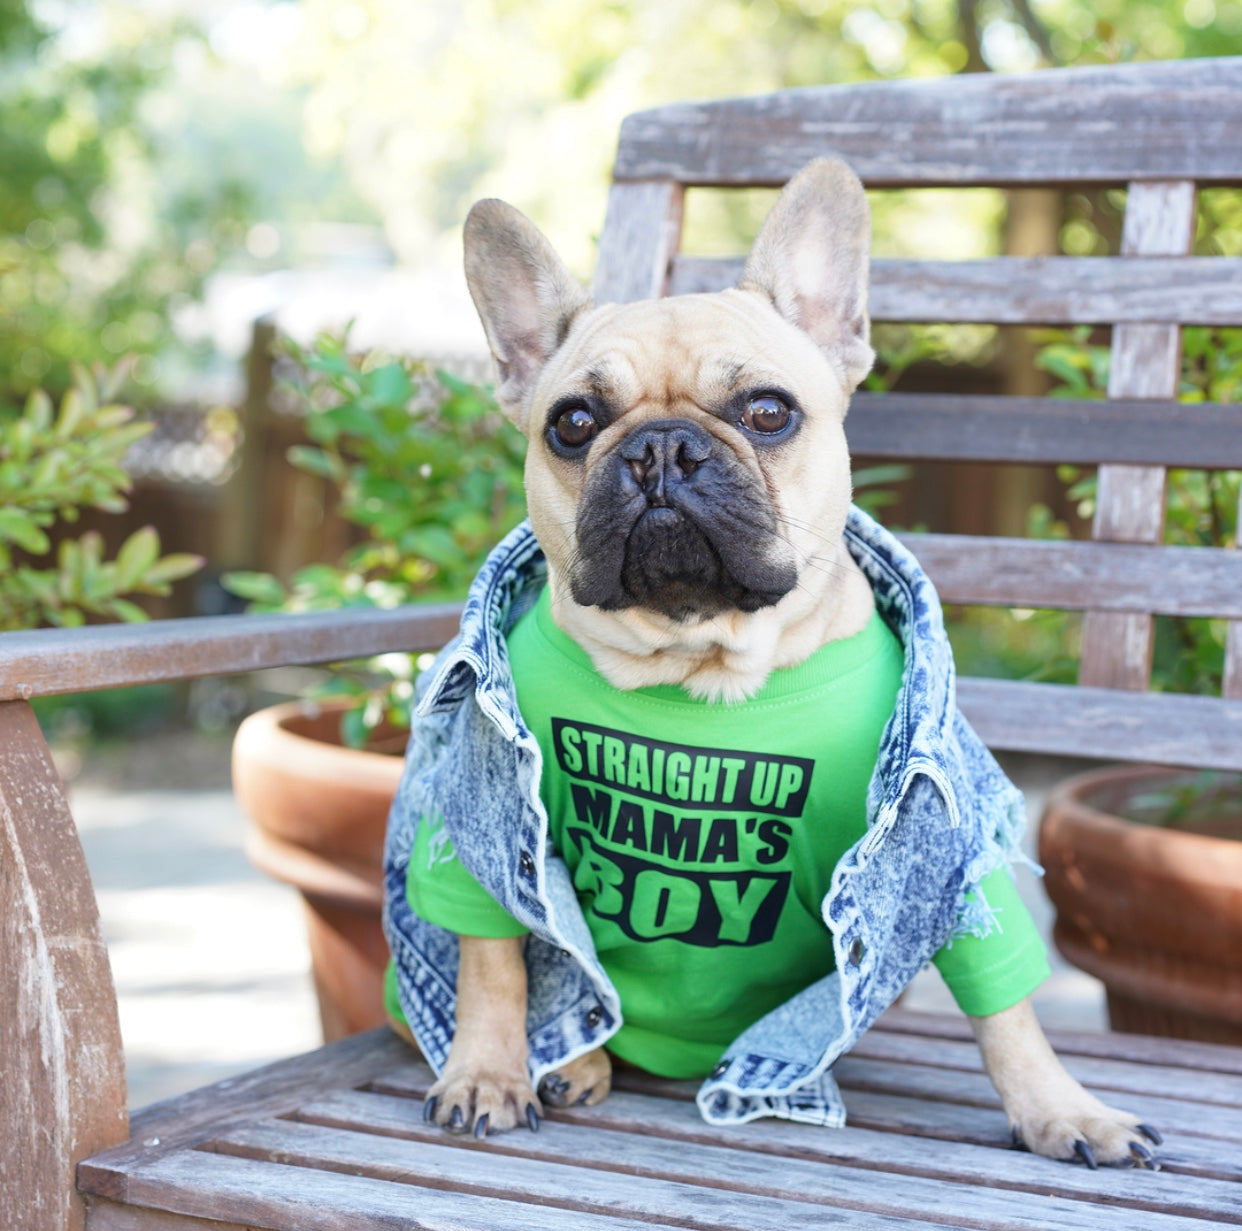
<point x="335" y="1139"/>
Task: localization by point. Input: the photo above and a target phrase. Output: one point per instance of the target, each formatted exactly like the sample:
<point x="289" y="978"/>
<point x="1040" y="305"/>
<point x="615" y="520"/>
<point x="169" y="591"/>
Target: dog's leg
<point x="582" y="1082"/>
<point x="1049" y="1112"/>
<point x="485" y="1086"/>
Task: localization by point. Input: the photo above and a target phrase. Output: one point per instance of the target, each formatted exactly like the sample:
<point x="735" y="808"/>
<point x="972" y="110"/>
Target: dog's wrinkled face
<point x="669" y="435"/>
<point x="687" y="466"/>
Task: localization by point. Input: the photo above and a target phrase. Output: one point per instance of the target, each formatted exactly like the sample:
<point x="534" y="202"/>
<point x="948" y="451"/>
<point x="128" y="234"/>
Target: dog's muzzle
<point x="671" y="520"/>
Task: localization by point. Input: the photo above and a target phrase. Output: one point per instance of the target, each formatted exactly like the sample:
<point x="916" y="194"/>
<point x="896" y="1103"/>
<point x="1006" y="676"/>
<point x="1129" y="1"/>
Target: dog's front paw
<point x="1048" y="1111"/>
<point x="1086" y="1131"/>
<point x="482" y="1101"/>
<point x="582" y="1082"/>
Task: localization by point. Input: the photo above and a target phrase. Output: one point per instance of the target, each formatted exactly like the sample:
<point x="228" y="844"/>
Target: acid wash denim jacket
<point x="940" y="814"/>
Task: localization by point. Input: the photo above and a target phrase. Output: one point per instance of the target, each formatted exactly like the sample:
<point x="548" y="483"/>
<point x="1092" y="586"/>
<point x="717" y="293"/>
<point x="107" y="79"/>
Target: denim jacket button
<point x="527" y="863"/>
<point x="857" y="949"/>
<point x="594" y="1017"/>
<point x="721" y="1069"/>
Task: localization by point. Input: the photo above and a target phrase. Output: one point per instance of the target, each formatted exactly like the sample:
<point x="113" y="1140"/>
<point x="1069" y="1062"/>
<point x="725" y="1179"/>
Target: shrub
<point x="55" y="463"/>
<point x="428" y="468"/>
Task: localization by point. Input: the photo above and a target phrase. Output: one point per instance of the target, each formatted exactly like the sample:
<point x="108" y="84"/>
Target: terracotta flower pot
<point x="319" y="812"/>
<point x="1154" y="912"/>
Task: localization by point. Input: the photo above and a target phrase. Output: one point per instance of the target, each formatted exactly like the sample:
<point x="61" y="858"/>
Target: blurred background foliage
<point x="151" y="144"/>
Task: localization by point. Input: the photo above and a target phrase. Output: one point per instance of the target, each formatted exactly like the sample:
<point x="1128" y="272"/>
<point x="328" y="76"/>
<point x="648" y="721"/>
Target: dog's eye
<point x="574" y="427"/>
<point x="766" y="414"/>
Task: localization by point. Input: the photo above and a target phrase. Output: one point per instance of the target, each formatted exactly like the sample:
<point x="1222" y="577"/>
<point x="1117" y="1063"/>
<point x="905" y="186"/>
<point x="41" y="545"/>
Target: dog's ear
<point x="525" y="297"/>
<point x="811" y="259"/>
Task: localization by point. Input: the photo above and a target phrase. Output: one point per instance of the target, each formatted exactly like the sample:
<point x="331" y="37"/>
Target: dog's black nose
<point x="660" y="455"/>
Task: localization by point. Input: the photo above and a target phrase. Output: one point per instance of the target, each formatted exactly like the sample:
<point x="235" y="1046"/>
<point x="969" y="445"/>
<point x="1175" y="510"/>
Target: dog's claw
<point x="1151" y="1134"/>
<point x="429" y="1109"/>
<point x="457" y="1120"/>
<point x="532" y="1117"/>
<point x="480" y="1126"/>
<point x="1143" y="1157"/>
<point x="1084" y="1152"/>
<point x="554" y="1087"/>
<point x="586" y="1094"/>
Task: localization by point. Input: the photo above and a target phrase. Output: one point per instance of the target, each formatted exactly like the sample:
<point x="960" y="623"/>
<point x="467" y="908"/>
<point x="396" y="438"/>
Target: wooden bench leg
<point x="62" y="1071"/>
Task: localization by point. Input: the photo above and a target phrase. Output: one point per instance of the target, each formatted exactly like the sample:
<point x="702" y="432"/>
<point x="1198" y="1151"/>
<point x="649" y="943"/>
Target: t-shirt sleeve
<point x="440" y="890"/>
<point x="990" y="973"/>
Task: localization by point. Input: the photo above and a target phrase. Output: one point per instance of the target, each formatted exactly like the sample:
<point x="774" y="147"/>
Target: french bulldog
<point x="688" y="481"/>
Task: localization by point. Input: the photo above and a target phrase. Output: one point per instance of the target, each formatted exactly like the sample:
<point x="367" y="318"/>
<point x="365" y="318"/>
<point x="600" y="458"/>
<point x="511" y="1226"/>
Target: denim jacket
<point x="940" y="816"/>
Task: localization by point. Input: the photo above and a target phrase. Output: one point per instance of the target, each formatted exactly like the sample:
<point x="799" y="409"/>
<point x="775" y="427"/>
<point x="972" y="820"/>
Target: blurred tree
<point x="94" y="244"/>
<point x="432" y="104"/>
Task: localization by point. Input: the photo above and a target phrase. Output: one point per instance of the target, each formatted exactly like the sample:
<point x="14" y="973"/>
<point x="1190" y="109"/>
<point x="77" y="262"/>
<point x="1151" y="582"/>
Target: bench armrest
<point x="43" y="662"/>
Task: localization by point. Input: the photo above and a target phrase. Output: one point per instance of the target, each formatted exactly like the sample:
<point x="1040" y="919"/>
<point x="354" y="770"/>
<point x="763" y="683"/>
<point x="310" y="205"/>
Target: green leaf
<point x="1065" y="367"/>
<point x="69" y="560"/>
<point x="116" y="415"/>
<point x="389" y="385"/>
<point x="351" y="418"/>
<point x="260" y="588"/>
<point x="329" y="363"/>
<point x="316" y="461"/>
<point x="129" y="612"/>
<point x="172" y="567"/>
<point x="341" y="686"/>
<point x="39" y="411"/>
<point x="19" y="528"/>
<point x="434" y="543"/>
<point x="354" y="729"/>
<point x="72" y="411"/>
<point x="322" y="577"/>
<point x="138" y="553"/>
<point x="873" y="476"/>
<point x="84" y="385"/>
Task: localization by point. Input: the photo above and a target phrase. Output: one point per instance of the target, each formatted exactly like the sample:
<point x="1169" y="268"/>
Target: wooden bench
<point x="335" y="1139"/>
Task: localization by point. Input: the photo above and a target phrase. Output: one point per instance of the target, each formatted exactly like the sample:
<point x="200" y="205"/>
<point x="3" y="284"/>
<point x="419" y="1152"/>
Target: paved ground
<point x="209" y="957"/>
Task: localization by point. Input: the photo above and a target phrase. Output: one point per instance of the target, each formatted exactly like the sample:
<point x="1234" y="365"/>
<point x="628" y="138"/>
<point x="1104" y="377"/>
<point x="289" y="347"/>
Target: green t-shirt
<point x="702" y="840"/>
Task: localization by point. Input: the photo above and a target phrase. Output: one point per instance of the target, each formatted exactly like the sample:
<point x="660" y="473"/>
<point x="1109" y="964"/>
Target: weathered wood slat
<point x="740" y="1157"/>
<point x="1222" y="1124"/>
<point x="1137" y="1049"/>
<point x="975" y="428"/>
<point x="960" y="1105"/>
<point x="1014" y="290"/>
<point x="642" y="229"/>
<point x="623" y="1176"/>
<point x="902" y="1115"/>
<point x="256" y="1194"/>
<point x="108" y="1216"/>
<point x="42" y="662"/>
<point x="1078" y="721"/>
<point x="925" y="1108"/>
<point x="1232" y="687"/>
<point x="1129" y="502"/>
<point x="636" y="1173"/>
<point x="62" y="1070"/>
<point x="1072" y="576"/>
<point x="1232" y="684"/>
<point x="1100" y="1073"/>
<point x="272" y="1090"/>
<point x="929" y="1104"/>
<point x="1173" y="120"/>
<point x="929" y="1095"/>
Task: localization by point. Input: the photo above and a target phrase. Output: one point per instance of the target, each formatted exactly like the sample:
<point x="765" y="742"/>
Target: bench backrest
<point x="1158" y="130"/>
